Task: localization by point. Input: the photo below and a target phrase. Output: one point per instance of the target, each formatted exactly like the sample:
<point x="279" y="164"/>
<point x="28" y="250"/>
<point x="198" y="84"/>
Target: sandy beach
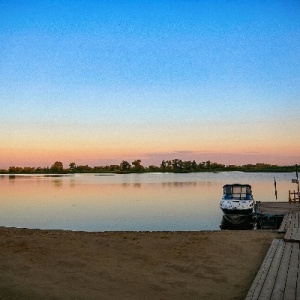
<point x="51" y="264"/>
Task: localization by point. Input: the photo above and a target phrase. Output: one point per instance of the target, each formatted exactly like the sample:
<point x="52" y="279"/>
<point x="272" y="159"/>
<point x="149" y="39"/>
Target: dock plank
<point x="268" y="285"/>
<point x="293" y="220"/>
<point x="285" y="223"/>
<point x="298" y="274"/>
<point x="291" y="281"/>
<point x="260" y="278"/>
<point x="290" y="220"/>
<point x="292" y="235"/>
<point x="281" y="273"/>
<point x="277" y="208"/>
<point x="289" y="235"/>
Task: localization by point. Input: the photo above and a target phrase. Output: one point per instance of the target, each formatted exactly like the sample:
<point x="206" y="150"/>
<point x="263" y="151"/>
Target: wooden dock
<point x="271" y="214"/>
<point x="279" y="275"/>
<point x="276" y="208"/>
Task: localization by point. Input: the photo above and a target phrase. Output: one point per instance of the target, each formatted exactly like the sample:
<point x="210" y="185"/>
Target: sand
<point x="45" y="264"/>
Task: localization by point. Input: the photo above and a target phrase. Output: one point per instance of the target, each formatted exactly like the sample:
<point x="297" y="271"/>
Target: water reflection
<point x="104" y="174"/>
<point x="179" y="184"/>
<point x="55" y="175"/>
<point x="72" y="182"/>
<point x="137" y="185"/>
<point x="248" y="224"/>
<point x="57" y="183"/>
<point x="126" y="202"/>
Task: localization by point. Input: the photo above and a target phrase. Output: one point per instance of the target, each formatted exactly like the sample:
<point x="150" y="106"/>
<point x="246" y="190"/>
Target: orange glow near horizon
<point x="231" y="155"/>
<point x="228" y="144"/>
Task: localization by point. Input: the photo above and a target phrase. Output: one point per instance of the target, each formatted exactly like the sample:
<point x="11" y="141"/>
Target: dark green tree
<point x="72" y="167"/>
<point x="57" y="167"/>
<point x="137" y="167"/>
<point x="194" y="166"/>
<point x="166" y="165"/>
<point x="177" y="165"/>
<point x="125" y="166"/>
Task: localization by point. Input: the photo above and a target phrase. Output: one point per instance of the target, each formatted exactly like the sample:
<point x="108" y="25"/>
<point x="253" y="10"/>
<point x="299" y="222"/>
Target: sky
<point x="98" y="82"/>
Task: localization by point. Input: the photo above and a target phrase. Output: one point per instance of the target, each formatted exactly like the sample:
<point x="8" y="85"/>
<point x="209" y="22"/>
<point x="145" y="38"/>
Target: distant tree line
<point x="174" y="166"/>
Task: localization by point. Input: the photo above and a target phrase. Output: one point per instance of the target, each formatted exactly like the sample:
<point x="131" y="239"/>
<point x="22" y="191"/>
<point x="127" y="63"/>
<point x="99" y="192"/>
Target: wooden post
<point x="290" y="199"/>
<point x="294" y="197"/>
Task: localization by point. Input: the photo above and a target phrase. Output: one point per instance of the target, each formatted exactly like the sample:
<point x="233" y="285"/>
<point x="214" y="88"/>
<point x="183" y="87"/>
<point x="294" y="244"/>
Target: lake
<point x="127" y="202"/>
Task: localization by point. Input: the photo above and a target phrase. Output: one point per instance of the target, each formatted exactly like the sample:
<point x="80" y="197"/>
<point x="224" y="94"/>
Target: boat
<point x="237" y="203"/>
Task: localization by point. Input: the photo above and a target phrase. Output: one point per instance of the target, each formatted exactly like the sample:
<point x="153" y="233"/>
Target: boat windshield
<point x="240" y="192"/>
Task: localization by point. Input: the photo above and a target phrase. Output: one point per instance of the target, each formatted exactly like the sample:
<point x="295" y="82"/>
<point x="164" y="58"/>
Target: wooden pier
<point x="279" y="275"/>
<point x="271" y="214"/>
<point x="276" y="208"/>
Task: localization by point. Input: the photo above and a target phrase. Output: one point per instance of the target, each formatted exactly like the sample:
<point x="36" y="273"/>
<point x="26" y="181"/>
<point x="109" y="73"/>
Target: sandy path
<point x="40" y="264"/>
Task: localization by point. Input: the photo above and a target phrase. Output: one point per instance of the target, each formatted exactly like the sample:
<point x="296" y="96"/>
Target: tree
<point x="125" y="166"/>
<point x="57" y="167"/>
<point x="207" y="164"/>
<point x="187" y="166"/>
<point x="201" y="166"/>
<point x="12" y="169"/>
<point x="194" y="166"/>
<point x="83" y="169"/>
<point x="166" y="165"/>
<point x="28" y="170"/>
<point x="137" y="167"/>
<point x="153" y="168"/>
<point x="177" y="165"/>
<point x="72" y="166"/>
<point x="114" y="168"/>
<point x="163" y="165"/>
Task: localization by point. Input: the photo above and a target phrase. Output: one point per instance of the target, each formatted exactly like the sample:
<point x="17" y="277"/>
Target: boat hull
<point x="237" y="222"/>
<point x="244" y="212"/>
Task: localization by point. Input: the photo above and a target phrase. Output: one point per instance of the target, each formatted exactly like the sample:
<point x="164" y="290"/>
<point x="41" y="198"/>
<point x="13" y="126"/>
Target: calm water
<point x="127" y="202"/>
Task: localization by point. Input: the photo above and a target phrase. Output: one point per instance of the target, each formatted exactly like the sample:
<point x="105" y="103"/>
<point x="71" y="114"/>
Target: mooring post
<point x="296" y="167"/>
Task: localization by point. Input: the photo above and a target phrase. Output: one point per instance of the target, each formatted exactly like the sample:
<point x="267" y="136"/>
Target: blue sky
<point x="98" y="81"/>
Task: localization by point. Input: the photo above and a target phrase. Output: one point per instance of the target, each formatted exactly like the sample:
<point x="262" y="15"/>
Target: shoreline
<point x="61" y="264"/>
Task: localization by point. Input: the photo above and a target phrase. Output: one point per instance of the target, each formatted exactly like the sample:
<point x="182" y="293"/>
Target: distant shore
<point x="166" y="166"/>
<point x="60" y="264"/>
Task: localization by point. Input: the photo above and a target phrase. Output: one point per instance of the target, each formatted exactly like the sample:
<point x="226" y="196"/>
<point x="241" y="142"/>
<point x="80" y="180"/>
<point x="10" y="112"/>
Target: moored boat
<point x="237" y="203"/>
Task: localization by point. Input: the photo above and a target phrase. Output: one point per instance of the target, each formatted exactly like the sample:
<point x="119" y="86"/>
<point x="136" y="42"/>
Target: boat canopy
<point x="237" y="191"/>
